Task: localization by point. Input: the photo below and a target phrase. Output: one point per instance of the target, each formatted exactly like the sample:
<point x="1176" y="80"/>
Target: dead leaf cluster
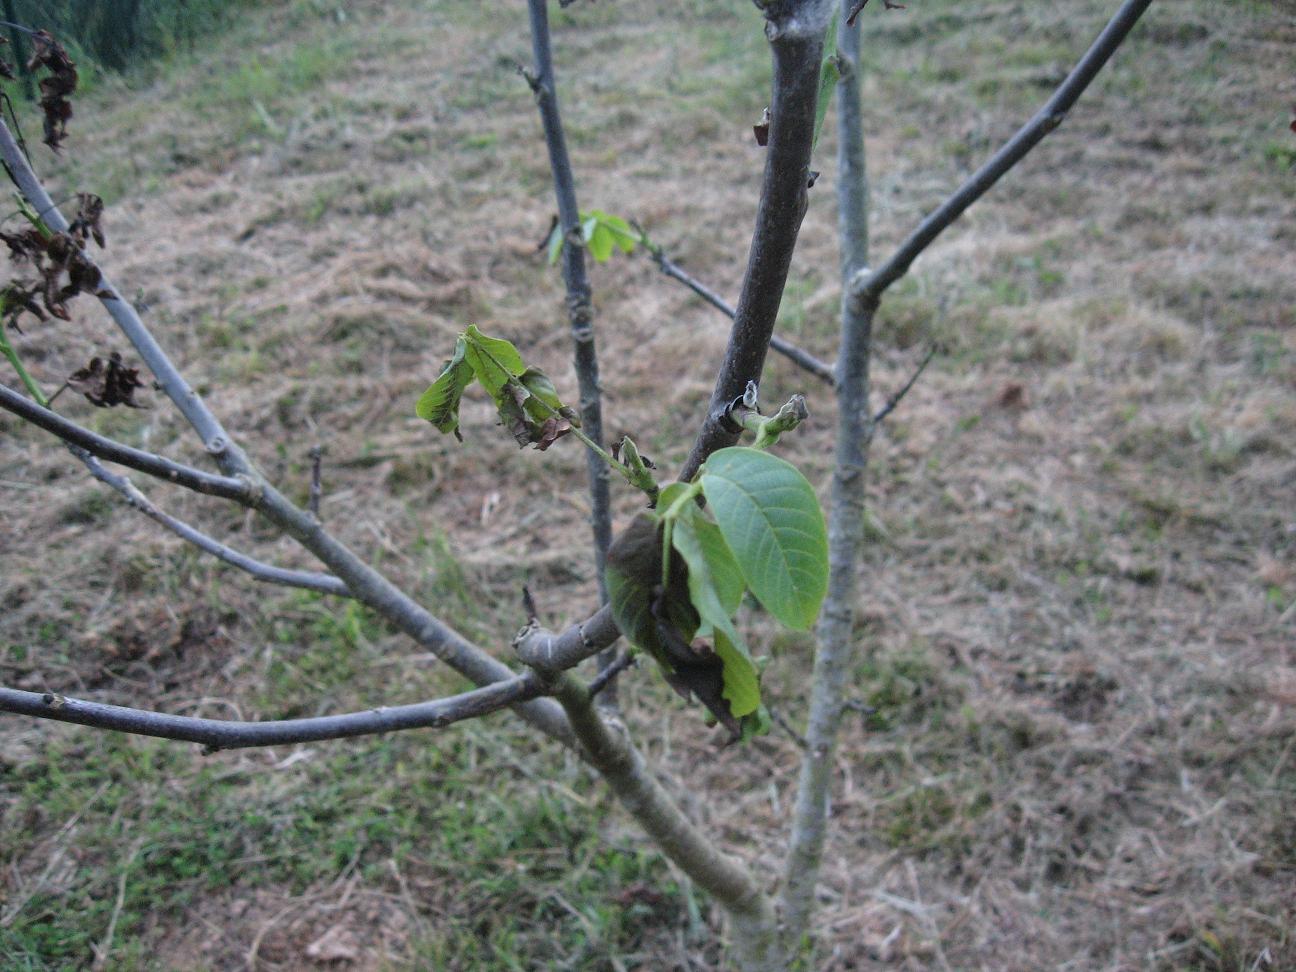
<point x="56" y="87"/>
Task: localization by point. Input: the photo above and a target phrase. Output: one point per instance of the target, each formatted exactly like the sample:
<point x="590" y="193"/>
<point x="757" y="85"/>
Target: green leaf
<point x="601" y="243"/>
<point x="669" y="494"/>
<point x="829" y="75"/>
<point x="539" y="385"/>
<point x="440" y="403"/>
<point x="700" y="544"/>
<point x="493" y="360"/>
<point x="771" y="520"/>
<point x="716" y="558"/>
<point x="621" y="231"/>
<point x="757" y="724"/>
<point x="555" y="244"/>
<point x="633" y="570"/>
<point x="741" y="680"/>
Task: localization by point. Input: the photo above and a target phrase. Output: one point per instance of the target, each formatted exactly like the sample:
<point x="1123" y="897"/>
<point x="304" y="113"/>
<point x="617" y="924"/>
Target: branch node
<point x="255" y="488"/>
<point x="217" y="445"/>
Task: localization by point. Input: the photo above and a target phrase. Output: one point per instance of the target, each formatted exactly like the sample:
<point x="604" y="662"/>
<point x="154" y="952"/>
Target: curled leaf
<point x="440" y="403"/>
<point x="56" y="87"/>
<point x="661" y="619"/>
<point x="26" y="245"/>
<point x="17" y="298"/>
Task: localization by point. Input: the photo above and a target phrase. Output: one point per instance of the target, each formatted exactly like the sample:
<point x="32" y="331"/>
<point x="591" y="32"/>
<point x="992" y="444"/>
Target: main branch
<point x="607" y="747"/>
<point x="796" y="34"/>
<point x="834" y="652"/>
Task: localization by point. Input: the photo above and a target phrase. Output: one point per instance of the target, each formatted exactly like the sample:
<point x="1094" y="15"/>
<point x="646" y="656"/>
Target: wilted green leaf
<point x="440" y="403"/>
<point x="634" y="574"/>
<point x="493" y="360"/>
<point x="771" y="520"/>
<point x="700" y="544"/>
<point x="539" y="386"/>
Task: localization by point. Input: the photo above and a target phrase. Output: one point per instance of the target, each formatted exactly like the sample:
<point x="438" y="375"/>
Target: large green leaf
<point x="711" y="578"/>
<point x="771" y="520"/>
<point x="440" y="403"/>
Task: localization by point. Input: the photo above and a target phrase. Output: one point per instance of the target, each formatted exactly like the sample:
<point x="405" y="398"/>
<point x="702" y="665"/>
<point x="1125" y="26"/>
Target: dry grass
<point x="1077" y="626"/>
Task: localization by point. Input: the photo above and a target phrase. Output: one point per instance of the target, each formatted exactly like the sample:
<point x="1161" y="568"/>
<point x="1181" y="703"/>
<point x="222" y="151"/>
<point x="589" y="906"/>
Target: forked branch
<point x="266" y="573"/>
<point x="868" y="286"/>
<point x="240" y="490"/>
<point x="364" y="582"/>
<point x="855" y="426"/>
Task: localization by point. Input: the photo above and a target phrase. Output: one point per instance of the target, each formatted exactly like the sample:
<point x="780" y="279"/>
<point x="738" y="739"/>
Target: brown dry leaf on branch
<point x="65" y="256"/>
<point x="54" y="257"/>
<point x="27" y="245"/>
<point x="88" y="219"/>
<point x="107" y="383"/>
<point x="62" y="81"/>
<point x="17" y="298"/>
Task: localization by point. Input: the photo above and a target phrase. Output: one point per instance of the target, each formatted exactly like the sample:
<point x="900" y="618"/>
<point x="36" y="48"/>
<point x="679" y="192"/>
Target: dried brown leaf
<point x="55" y="87"/>
<point x="106" y="384"/>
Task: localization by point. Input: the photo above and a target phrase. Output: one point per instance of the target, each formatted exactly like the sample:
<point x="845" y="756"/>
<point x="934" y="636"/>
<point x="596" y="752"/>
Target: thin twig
<point x="796" y="355"/>
<point x="894" y="400"/>
<point x="608" y="672"/>
<point x="268" y="573"/>
<point x="580" y="309"/>
<point x="316" y="487"/>
<point x="218" y="734"/>
<point x="781" y="721"/>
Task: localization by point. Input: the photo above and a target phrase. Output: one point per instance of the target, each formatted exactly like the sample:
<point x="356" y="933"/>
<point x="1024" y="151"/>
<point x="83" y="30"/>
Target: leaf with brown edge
<point x="106" y="384"/>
